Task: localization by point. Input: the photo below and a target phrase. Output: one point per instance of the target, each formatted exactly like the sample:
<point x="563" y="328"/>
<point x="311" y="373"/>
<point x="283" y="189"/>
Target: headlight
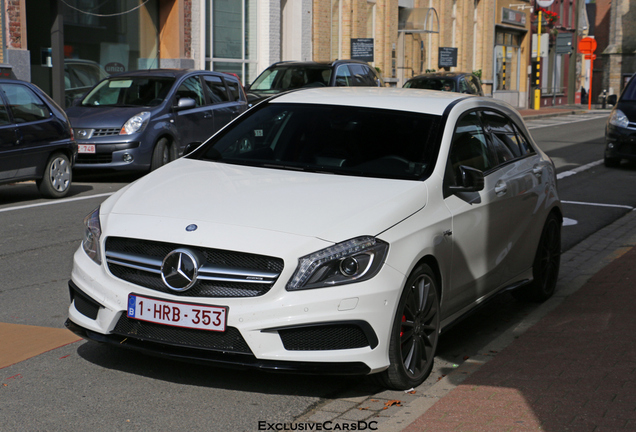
<point x="618" y="118"/>
<point x="135" y="124"/>
<point x="92" y="234"/>
<point x="351" y="261"/>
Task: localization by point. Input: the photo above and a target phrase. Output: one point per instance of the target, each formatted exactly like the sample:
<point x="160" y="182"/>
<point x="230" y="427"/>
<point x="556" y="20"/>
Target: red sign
<point x="587" y="45"/>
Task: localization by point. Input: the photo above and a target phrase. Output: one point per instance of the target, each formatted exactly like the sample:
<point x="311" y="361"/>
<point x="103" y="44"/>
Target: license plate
<point x="188" y="315"/>
<point x="86" y="148"/>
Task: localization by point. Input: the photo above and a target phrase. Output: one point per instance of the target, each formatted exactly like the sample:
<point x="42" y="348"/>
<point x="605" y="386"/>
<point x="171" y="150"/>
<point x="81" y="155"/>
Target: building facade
<point x="401" y="38"/>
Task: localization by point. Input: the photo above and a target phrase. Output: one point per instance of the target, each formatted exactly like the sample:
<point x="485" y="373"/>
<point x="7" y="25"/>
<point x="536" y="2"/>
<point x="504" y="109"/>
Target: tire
<point x="547" y="260"/>
<point x="414" y="333"/>
<point x="612" y="162"/>
<point x="57" y="178"/>
<point x="161" y="154"/>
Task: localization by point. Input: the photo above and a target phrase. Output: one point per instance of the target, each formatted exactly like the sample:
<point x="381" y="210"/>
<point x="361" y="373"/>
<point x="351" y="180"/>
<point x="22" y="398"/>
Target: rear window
<point x="321" y="138"/>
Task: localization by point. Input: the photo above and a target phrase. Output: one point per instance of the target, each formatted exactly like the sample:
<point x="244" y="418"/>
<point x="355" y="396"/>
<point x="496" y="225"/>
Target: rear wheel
<point x="161" y="154"/>
<point x="56" y="181"/>
<point x="545" y="270"/>
<point x="414" y="333"/>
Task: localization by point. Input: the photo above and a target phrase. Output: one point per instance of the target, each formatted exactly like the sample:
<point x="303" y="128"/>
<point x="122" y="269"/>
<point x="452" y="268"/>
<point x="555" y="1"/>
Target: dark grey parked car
<point x="139" y="121"/>
<point x="460" y="82"/>
<point x="291" y="75"/>
<point x="36" y="139"/>
<point x="620" y="130"/>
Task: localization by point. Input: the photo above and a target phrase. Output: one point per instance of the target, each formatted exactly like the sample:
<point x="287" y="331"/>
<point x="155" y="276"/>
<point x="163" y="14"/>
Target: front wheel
<point x="161" y="154"/>
<point x="414" y="333"/>
<point x="56" y="181"/>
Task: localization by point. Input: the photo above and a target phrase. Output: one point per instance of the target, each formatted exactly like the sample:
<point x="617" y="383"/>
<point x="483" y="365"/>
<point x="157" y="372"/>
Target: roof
<point x="174" y="73"/>
<point x="401" y="99"/>
<point x="441" y="75"/>
<point x="316" y="63"/>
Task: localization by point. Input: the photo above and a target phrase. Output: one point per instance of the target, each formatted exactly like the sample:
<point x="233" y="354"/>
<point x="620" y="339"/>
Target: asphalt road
<point x="85" y="386"/>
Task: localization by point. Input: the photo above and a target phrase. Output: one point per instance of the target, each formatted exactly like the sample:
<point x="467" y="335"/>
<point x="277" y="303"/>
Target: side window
<point x="505" y="139"/>
<point x="472" y="88"/>
<point x="463" y="86"/>
<point x="360" y="75"/>
<point x="469" y="145"/>
<point x="233" y="87"/>
<point x="192" y="88"/>
<point x="4" y="114"/>
<point x="474" y="83"/>
<point x="343" y="76"/>
<point x="25" y="105"/>
<point x="216" y="89"/>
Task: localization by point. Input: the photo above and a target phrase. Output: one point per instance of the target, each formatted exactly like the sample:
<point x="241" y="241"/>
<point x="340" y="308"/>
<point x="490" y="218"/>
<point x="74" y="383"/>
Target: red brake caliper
<point x="401" y="329"/>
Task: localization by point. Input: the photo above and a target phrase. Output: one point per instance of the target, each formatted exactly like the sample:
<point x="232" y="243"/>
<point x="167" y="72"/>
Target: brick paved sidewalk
<point x="575" y="370"/>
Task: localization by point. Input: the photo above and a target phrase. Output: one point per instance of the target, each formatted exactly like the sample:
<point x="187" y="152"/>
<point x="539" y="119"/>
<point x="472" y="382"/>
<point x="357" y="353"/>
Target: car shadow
<point x="249" y="380"/>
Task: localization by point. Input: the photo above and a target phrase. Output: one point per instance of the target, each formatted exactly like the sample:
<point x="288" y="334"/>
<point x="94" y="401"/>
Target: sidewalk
<point x="573" y="370"/>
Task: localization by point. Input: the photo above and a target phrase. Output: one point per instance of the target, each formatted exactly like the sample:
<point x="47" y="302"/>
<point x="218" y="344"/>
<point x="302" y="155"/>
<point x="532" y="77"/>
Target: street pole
<point x="537" y="89"/>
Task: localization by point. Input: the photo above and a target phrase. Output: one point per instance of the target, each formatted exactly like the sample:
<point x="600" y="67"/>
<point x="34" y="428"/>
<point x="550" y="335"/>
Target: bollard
<point x="604" y="99"/>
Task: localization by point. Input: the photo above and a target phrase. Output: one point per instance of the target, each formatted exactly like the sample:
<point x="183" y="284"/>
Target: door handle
<point x="537" y="170"/>
<point x="501" y="188"/>
<point x="207" y="115"/>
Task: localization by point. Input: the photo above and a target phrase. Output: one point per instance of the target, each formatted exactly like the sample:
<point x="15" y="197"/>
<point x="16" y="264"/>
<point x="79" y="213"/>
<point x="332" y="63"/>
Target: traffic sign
<point x="587" y="45"/>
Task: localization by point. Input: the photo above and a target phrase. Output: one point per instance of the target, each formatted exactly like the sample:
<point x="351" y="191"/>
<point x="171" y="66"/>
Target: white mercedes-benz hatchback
<point x="330" y="230"/>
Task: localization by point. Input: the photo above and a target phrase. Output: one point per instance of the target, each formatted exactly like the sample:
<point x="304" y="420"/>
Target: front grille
<point x="105" y="132"/>
<point x="324" y="337"/>
<point x="95" y="158"/>
<point x="228" y="341"/>
<point x="222" y="274"/>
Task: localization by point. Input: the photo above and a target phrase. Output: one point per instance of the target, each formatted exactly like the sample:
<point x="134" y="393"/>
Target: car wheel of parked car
<point x="547" y="260"/>
<point x="415" y="332"/>
<point x="161" y="154"/>
<point x="56" y="181"/>
<point x="174" y="151"/>
<point x="612" y="162"/>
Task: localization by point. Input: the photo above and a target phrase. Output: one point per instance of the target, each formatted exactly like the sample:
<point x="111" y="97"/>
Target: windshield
<point x="629" y="94"/>
<point x="432" y="84"/>
<point x="281" y="78"/>
<point x="129" y="91"/>
<point x="331" y="139"/>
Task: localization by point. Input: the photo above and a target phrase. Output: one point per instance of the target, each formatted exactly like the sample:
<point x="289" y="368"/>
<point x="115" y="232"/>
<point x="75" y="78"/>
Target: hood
<point x="102" y="117"/>
<point x="329" y="207"/>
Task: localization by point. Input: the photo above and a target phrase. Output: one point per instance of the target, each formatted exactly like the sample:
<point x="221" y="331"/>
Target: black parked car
<point x="141" y="120"/>
<point x="290" y="75"/>
<point x="460" y="82"/>
<point x="36" y="139"/>
<point x="620" y="131"/>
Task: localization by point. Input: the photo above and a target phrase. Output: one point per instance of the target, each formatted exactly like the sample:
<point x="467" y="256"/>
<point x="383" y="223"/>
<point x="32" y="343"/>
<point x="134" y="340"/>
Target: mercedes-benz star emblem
<point x="179" y="270"/>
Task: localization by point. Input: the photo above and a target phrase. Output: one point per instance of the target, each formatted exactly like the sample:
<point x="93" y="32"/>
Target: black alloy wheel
<point x="415" y="332"/>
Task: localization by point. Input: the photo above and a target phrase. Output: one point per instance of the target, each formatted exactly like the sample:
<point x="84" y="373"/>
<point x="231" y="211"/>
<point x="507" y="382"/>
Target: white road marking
<point x="598" y="204"/>
<point x="59" y="201"/>
<point x="579" y="169"/>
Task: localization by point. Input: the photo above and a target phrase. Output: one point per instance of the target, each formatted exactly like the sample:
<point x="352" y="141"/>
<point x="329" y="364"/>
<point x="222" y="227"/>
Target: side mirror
<point x="469" y="180"/>
<point x="612" y="99"/>
<point x="185" y="103"/>
<point x="191" y="147"/>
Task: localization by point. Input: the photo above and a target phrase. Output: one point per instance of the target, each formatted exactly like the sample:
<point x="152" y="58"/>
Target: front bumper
<point x="620" y="143"/>
<point x="265" y="332"/>
<point x="115" y="154"/>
